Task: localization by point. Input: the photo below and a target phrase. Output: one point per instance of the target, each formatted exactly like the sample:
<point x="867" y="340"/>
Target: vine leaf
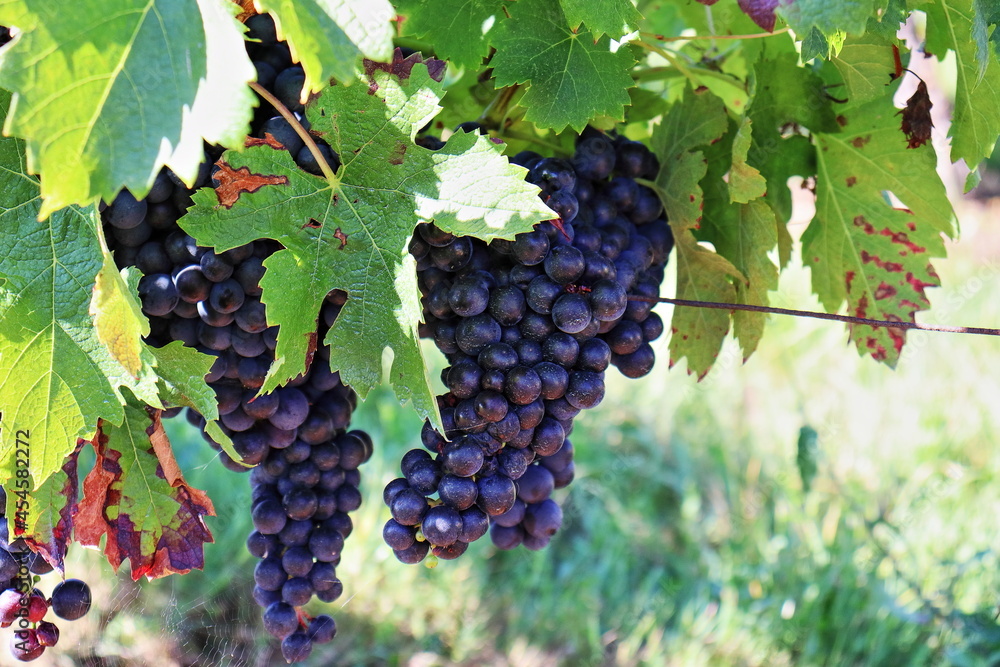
<point x="386" y="185"/>
<point x="743" y="233"/>
<point x="857" y="246"/>
<point x="117" y="315"/>
<point x="57" y="377"/>
<point x="136" y="497"/>
<point x="572" y="77"/>
<point x="745" y="182"/>
<point x="975" y="123"/>
<point x="329" y="36"/>
<point x="697" y="333"/>
<point x="52" y="507"/>
<point x="107" y="94"/>
<point x="459" y="29"/>
<point x="614" y="18"/>
<point x="786" y="96"/>
<point x="866" y="65"/>
<point x="831" y="20"/>
<point x="182" y="371"/>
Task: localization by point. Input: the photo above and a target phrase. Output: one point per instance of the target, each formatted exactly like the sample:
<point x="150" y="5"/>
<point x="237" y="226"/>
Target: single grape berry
<point x="71" y="599"/>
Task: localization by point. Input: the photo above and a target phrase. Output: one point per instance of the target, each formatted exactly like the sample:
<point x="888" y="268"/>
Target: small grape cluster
<point x="305" y="477"/>
<point x="529" y="328"/>
<point x="24" y="606"/>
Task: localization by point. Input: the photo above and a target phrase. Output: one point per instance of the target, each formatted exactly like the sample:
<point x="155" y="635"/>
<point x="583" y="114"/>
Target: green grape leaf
<point x="613" y="17"/>
<point x="44" y="516"/>
<point x="785" y="96"/>
<point x="57" y="377"/>
<point x="975" y="123"/>
<point x="985" y="14"/>
<point x="828" y="18"/>
<point x="108" y="93"/>
<point x="857" y="246"/>
<point x="182" y="372"/>
<point x="353" y="234"/>
<point x="697" y="333"/>
<point x="137" y="499"/>
<point x="867" y="65"/>
<point x="460" y="30"/>
<point x="816" y="45"/>
<point x="745" y="182"/>
<point x="572" y="77"/>
<point x="743" y="233"/>
<point x="329" y="36"/>
<point x="702" y="275"/>
<point x="117" y="314"/>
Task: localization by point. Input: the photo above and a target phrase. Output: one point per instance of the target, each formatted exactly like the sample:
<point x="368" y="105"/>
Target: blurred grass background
<point x="690" y="536"/>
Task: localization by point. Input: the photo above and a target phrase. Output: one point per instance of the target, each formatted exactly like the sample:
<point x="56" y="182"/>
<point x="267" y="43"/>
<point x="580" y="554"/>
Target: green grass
<point x="688" y="539"/>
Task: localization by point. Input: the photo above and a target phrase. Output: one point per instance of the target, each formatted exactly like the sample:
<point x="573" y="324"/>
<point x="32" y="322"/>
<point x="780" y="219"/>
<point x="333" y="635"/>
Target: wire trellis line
<point x="850" y="319"/>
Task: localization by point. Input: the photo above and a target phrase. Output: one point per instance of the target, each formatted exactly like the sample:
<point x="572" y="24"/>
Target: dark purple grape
<point x="457" y="492"/>
<point x="398" y="536"/>
<point x="586" y="389"/>
<point x="571" y="313"/>
<point x="269" y="517"/>
<point x="158" y="294"/>
<point x="441" y="525"/>
<point x="496" y="494"/>
<point x="637" y="363"/>
<point x="226" y="296"/>
<point x="71" y="599"/>
<point x="530" y="248"/>
<point x="506" y="305"/>
<point x="543" y="519"/>
<point x="125" y="212"/>
<point x="322" y="629"/>
<point x="625" y="338"/>
<point x="414" y="554"/>
<point x="506" y="538"/>
<point x="511" y="517"/>
<point x="280" y="620"/>
<point x="535" y="485"/>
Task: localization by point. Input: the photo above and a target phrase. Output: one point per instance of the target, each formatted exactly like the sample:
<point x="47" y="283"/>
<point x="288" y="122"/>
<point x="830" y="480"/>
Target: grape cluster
<point x="24" y="606"/>
<point x="305" y="462"/>
<point x="529" y="328"/>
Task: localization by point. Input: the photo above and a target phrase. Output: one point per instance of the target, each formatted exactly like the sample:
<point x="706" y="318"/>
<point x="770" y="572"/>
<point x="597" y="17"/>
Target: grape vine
<point x="241" y="207"/>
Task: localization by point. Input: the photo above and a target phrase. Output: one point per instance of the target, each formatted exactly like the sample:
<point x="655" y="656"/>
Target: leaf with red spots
<point x="136" y="497"/>
<point x="861" y="249"/>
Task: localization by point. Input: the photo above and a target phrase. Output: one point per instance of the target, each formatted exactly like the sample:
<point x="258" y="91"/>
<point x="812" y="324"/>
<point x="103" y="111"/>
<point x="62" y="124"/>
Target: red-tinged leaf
<point x="858" y="247"/>
<point x="402" y="67"/>
<point x="50" y="512"/>
<point x="136" y="496"/>
<point x="916" y="114"/>
<point x="761" y="12"/>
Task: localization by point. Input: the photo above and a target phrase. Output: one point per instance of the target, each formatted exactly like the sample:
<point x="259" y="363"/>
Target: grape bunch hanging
<point x="529" y="328"/>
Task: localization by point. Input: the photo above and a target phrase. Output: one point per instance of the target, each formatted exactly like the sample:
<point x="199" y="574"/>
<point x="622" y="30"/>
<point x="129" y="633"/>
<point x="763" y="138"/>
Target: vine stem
<point x="299" y="130"/>
<point x="688" y="38"/>
<point x="981" y="331"/>
<point x="680" y="66"/>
